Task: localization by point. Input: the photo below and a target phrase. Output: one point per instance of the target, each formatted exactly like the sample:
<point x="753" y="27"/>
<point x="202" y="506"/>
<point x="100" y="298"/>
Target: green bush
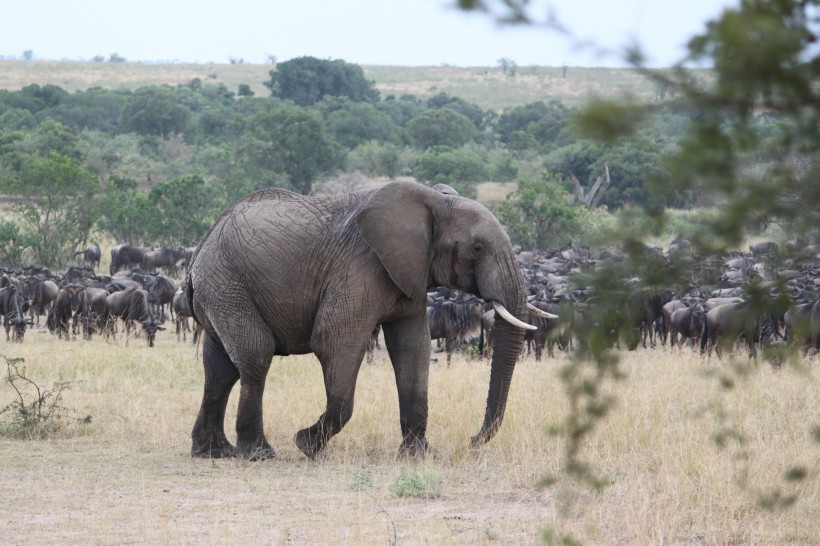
<point x="417" y="484"/>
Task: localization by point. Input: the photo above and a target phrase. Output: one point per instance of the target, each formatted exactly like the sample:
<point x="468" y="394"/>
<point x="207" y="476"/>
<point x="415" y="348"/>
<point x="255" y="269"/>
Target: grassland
<point x="127" y="477"/>
<point x="487" y="87"/>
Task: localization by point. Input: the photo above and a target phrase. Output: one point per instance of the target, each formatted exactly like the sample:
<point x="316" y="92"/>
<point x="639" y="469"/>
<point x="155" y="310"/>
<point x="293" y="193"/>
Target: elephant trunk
<point x="507" y="345"/>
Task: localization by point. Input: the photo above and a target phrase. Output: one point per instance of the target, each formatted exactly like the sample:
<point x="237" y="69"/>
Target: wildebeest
<point x="455" y="321"/>
<point x="92" y="310"/>
<point x="79" y="275"/>
<point x="168" y="259"/>
<point x="645" y="307"/>
<point x="667" y="310"/>
<point x="802" y="325"/>
<point x="485" y="344"/>
<point x="728" y="323"/>
<point x="160" y="294"/>
<point x="91" y="255"/>
<point x="11" y="307"/>
<point x="688" y="322"/>
<point x="131" y="306"/>
<point x="41" y="294"/>
<point x="66" y="307"/>
<point x="183" y="313"/>
<point x="126" y="256"/>
<point x="546" y="327"/>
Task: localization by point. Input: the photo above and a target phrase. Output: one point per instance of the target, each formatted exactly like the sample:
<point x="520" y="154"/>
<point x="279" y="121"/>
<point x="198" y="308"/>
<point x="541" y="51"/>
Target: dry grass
<point x="492" y="193"/>
<point x="484" y="86"/>
<point x="128" y="476"/>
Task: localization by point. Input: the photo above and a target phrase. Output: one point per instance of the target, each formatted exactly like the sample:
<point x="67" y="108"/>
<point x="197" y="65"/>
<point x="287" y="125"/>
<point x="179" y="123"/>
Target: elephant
<point x="282" y="274"/>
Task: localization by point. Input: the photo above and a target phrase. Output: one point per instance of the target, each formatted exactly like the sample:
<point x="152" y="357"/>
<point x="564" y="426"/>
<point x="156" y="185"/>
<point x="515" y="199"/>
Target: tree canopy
<point x="307" y="80"/>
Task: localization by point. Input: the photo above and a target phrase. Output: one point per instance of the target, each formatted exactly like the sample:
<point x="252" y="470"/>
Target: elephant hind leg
<point x="220" y="376"/>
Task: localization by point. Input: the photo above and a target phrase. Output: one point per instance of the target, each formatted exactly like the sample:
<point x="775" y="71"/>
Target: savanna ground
<point x="127" y="476"/>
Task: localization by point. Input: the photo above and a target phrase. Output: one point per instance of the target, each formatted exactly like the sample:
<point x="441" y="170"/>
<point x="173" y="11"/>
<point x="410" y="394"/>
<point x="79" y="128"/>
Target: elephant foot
<point x="309" y="442"/>
<point x="213" y="449"/>
<point x="259" y="454"/>
<point x="259" y="450"/>
<point x="418" y="448"/>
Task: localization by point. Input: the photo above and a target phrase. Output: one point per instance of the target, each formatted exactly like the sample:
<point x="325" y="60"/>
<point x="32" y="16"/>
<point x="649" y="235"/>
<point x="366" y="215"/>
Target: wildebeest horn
<point x="540" y="312"/>
<point x="506" y="315"/>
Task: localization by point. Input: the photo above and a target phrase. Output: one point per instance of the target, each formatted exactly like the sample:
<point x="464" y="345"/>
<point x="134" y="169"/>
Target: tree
<point x="245" y="90"/>
<point x="307" y="80"/>
<point x="376" y="159"/>
<point x="186" y="207"/>
<point x="155" y="111"/>
<point x="59" y="205"/>
<point x="126" y="212"/>
<point x="457" y="104"/>
<point x="289" y="141"/>
<point x="539" y="215"/>
<point x="441" y="127"/>
<point x="460" y="168"/>
<point x="543" y="121"/>
<point x="14" y="244"/>
<point x="353" y="123"/>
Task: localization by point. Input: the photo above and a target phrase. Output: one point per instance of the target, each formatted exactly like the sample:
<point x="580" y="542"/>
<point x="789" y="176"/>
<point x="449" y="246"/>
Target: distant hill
<point x="487" y="87"/>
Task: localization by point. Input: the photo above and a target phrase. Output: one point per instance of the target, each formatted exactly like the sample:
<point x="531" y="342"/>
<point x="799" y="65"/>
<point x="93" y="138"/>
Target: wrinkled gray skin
<point x="281" y="274"/>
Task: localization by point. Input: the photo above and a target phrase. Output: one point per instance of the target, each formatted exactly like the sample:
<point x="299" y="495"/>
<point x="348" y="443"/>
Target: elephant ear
<point x="397" y="224"/>
<point x="445" y="189"/>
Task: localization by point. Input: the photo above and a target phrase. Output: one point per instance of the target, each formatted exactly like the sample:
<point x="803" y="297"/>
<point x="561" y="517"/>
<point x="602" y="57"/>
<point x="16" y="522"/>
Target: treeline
<point x="159" y="163"/>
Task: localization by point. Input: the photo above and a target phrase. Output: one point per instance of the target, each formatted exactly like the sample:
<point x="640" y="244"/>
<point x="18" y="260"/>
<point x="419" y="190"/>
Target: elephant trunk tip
<point x="485" y="434"/>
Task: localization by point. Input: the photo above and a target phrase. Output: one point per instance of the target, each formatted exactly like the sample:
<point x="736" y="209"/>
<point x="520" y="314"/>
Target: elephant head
<point x="426" y="238"/>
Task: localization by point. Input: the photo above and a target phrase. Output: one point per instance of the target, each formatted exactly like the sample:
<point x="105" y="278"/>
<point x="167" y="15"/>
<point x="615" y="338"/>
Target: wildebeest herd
<point x="82" y="302"/>
<point x="139" y="293"/>
<point x="713" y="312"/>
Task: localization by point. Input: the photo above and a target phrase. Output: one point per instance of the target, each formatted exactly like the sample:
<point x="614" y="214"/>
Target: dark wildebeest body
<point x="485" y="345"/>
<point x="126" y="257"/>
<point x="454" y="321"/>
<point x="546" y="327"/>
<point x="91" y="255"/>
<point x="92" y="310"/>
<point x="168" y="259"/>
<point x="41" y="294"/>
<point x="160" y="294"/>
<point x="728" y="323"/>
<point x="79" y="275"/>
<point x="183" y="313"/>
<point x="66" y="307"/>
<point x="131" y="306"/>
<point x="688" y="322"/>
<point x="644" y="309"/>
<point x="11" y="306"/>
<point x="667" y="310"/>
<point x="797" y="322"/>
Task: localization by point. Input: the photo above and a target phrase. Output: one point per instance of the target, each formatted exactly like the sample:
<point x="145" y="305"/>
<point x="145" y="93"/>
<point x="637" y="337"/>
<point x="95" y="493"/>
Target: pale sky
<point x="366" y="32"/>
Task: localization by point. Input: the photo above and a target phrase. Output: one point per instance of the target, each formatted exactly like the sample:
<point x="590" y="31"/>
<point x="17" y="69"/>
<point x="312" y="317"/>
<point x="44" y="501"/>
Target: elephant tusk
<point x="540" y="312"/>
<point x="506" y="315"/>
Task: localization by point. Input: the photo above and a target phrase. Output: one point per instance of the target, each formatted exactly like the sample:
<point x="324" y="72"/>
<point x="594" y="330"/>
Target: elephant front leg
<point x="408" y="343"/>
<point x="341" y="355"/>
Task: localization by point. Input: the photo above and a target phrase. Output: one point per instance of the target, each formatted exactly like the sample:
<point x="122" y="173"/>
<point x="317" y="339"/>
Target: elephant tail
<point x="189" y="296"/>
<point x="481" y="338"/>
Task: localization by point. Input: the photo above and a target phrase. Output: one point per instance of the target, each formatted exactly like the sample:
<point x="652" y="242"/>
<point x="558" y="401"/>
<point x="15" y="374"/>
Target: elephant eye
<point x="478" y="249"/>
